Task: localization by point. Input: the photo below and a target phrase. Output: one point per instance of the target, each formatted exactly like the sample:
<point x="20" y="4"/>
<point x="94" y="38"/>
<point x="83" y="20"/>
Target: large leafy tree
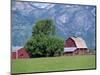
<point x="45" y="26"/>
<point x="42" y="42"/>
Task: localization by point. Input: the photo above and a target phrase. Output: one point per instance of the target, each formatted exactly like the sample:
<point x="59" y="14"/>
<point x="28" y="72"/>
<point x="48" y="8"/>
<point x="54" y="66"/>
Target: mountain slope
<point x="70" y="20"/>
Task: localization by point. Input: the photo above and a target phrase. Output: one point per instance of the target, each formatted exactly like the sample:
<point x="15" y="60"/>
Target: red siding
<point x="13" y="55"/>
<point x="78" y="51"/>
<point x="21" y="53"/>
<point x="70" y="43"/>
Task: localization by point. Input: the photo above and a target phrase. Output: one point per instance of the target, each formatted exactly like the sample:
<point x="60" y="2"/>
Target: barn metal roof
<point x="80" y="43"/>
<point x="69" y="49"/>
<point x="16" y="48"/>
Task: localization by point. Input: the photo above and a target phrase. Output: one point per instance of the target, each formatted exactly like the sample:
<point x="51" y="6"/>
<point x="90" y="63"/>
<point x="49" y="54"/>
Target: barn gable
<point x="22" y="53"/>
<point x="70" y="43"/>
<point x="19" y="52"/>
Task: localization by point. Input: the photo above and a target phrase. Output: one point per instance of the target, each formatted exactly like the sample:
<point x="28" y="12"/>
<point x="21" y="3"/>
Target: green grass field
<point x="53" y="64"/>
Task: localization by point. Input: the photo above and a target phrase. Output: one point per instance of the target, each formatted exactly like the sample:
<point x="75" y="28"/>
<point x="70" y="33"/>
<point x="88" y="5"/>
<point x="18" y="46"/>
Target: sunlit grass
<point x="53" y="64"/>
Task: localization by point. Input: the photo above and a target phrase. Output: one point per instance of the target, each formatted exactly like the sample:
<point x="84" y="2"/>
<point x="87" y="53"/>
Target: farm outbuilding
<point x="19" y="52"/>
<point x="75" y="46"/>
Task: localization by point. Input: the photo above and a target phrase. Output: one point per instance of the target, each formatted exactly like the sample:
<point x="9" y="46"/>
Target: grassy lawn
<point x="53" y="64"/>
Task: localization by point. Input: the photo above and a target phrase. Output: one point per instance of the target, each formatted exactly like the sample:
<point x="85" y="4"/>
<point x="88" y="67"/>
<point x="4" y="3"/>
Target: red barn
<point x="75" y="46"/>
<point x="20" y="52"/>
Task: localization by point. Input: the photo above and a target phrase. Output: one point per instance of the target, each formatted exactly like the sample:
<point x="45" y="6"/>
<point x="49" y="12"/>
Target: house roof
<point x="80" y="43"/>
<point x="69" y="49"/>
